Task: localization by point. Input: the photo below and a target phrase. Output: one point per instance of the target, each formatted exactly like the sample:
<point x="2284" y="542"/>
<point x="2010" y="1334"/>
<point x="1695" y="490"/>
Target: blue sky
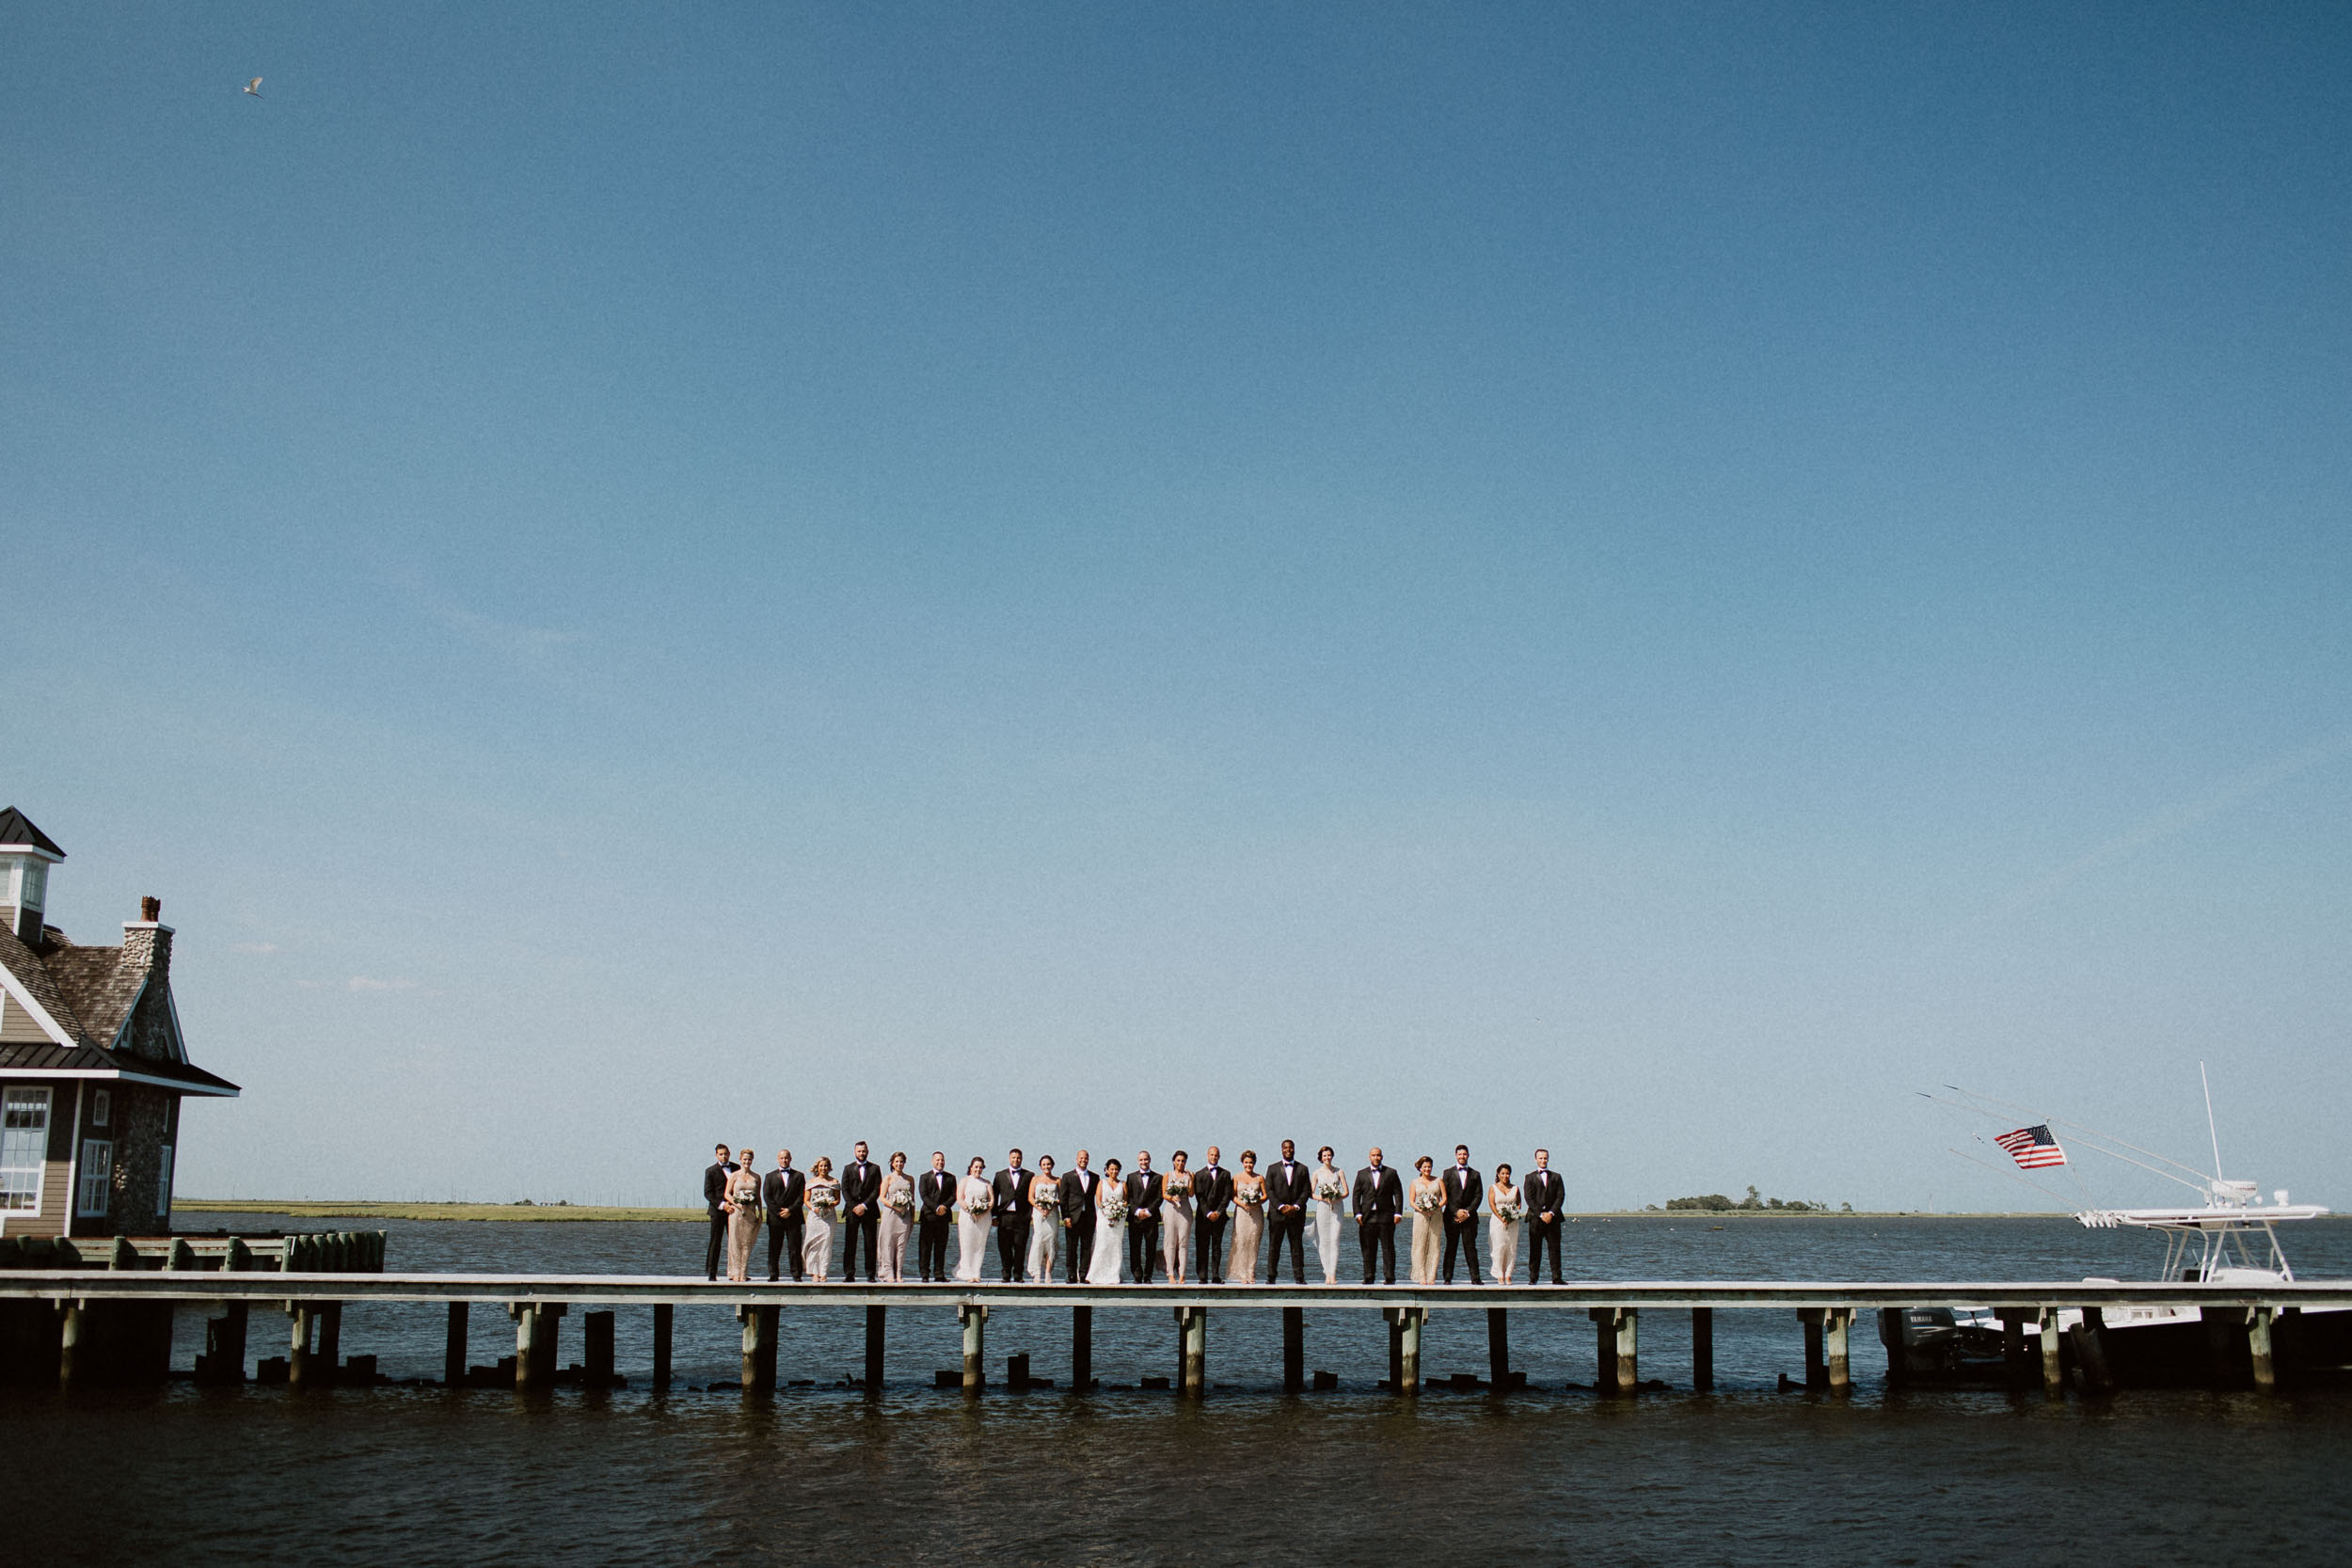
<point x="1650" y="579"/>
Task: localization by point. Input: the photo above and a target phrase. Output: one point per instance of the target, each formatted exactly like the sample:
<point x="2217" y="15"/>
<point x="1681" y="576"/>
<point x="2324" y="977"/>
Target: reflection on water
<point x="917" y="1476"/>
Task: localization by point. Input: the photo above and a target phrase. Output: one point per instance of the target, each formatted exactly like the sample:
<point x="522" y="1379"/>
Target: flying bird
<point x="253" y="88"/>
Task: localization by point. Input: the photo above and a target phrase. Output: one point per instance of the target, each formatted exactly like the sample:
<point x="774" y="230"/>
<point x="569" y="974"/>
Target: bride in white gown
<point x="1110" y="1229"/>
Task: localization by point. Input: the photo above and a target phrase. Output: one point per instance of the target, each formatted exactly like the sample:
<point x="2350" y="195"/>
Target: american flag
<point x="2032" y="1148"/>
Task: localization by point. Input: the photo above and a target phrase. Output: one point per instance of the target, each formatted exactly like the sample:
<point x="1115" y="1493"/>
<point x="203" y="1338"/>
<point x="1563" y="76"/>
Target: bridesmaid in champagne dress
<point x="1176" y="1217"/>
<point x="1249" y="1219"/>
<point x="742" y="1207"/>
<point x="1110" y="1229"/>
<point x="971" y="1228"/>
<point x="1426" y="1198"/>
<point x="825" y="1208"/>
<point x="897" y="1218"/>
<point x="1507" y="1208"/>
<point x="1331" y="1192"/>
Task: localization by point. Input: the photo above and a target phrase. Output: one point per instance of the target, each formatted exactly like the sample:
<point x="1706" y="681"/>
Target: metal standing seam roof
<point x="16" y="828"/>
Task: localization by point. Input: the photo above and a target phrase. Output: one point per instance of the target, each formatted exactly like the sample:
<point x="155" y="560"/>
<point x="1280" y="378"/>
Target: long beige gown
<point x="743" y="1225"/>
<point x="890" y="1232"/>
<point x="1429" y="1232"/>
<point x="1249" y="1230"/>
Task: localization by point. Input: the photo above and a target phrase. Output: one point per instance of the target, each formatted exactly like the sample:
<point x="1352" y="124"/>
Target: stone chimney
<point x="147" y="941"/>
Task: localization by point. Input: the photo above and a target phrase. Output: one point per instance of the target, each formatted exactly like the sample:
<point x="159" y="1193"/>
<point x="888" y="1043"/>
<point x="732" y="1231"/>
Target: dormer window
<point x="34" y="892"/>
<point x="102" y="1105"/>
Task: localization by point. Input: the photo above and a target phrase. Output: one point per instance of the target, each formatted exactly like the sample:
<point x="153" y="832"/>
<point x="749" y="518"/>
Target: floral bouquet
<point x="1332" y="1189"/>
<point x="1429" y="1202"/>
<point x="977" y="1204"/>
<point x="902" y="1202"/>
<point x="1047" y="1196"/>
<point x="1510" y="1211"/>
<point x="1113" y="1207"/>
<point x="826" y="1198"/>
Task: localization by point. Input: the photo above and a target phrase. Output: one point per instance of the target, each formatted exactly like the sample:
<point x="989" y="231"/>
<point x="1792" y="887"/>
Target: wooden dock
<point x="536" y="1304"/>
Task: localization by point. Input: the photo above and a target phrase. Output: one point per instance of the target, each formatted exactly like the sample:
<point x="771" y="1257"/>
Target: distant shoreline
<point x="356" y="1209"/>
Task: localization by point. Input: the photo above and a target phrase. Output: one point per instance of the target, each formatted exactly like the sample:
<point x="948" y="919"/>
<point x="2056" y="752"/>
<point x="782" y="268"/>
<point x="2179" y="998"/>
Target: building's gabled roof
<point x="100" y="985"/>
<point x="86" y="1061"/>
<point x="24" y="964"/>
<point x="16" y="828"/>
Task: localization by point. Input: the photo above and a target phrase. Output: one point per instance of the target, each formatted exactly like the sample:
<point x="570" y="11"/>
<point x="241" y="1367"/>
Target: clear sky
<point x="1647" y="578"/>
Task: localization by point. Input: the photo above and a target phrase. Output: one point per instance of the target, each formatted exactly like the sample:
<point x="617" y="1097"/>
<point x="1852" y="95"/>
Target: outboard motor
<point x="1919" y="1340"/>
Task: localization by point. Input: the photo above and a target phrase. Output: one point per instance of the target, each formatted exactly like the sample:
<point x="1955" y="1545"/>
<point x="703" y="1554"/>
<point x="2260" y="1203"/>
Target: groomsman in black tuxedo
<point x="1145" y="1191"/>
<point x="1078" y="1187"/>
<point x="714" y="1194"/>
<point x="935" y="1209"/>
<point x="1464" y="1191"/>
<point x="861" y="1212"/>
<point x="1286" y="1195"/>
<point x="1011" y="1206"/>
<point x="1547" y="1200"/>
<point x="1212" y="1212"/>
<point x="781" y="1192"/>
<point x="1379" y="1204"/>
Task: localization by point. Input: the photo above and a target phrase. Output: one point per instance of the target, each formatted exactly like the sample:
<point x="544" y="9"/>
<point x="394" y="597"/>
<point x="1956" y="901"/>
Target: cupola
<point x="27" y="854"/>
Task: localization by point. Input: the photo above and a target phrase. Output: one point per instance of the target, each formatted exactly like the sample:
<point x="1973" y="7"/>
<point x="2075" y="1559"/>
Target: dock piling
<point x="2015" y="1359"/>
<point x="2258" y="1343"/>
<point x="453" y="1353"/>
<point x="74" y="1362"/>
<point x="1294" y="1349"/>
<point x="2053" y="1356"/>
<point x="974" y="1319"/>
<point x="1192" y="1327"/>
<point x="662" y="1312"/>
<point x="535" y="1328"/>
<point x="1617" y="1347"/>
<point x="1082" y="1348"/>
<point x="1815" y="1362"/>
<point x="300" y="1373"/>
<point x="1837" y="1348"/>
<point x="760" y="1348"/>
<point x="1703" y="1349"/>
<point x="875" y="1317"/>
<point x="330" y="1359"/>
<point x="1405" y="1348"/>
<point x="597" y="1338"/>
<point x="1499" y="1348"/>
<point x="2091" y="1353"/>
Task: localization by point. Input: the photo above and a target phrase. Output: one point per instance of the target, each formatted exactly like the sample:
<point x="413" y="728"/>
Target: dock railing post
<point x="974" y="1318"/>
<point x="1703" y="1349"/>
<point x="1082" y="1348"/>
<point x="875" y="1319"/>
<point x="453" y="1353"/>
<point x="1294" y="1349"/>
<point x="1837" y="1348"/>
<point x="1499" y="1349"/>
<point x="2258" y="1343"/>
<point x="664" y="1314"/>
<point x="2053" y="1356"/>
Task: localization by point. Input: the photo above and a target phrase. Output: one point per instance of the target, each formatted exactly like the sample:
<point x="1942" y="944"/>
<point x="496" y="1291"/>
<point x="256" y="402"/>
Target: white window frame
<point x="96" y="1176"/>
<point x="101" y="1106"/>
<point x="12" y="1097"/>
<point x="163" y="1183"/>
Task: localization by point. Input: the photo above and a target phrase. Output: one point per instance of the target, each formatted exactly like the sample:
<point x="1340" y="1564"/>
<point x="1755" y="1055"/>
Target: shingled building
<point x="92" y="1069"/>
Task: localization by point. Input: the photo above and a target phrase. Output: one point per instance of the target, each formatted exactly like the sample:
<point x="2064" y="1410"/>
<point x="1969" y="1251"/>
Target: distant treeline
<point x="1716" y="1203"/>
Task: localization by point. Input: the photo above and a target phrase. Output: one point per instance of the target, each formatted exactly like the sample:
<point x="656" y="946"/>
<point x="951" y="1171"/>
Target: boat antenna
<point x="2211" y="1130"/>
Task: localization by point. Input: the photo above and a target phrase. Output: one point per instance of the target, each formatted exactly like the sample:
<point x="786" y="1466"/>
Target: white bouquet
<point x="1429" y="1202"/>
<point x="1331" y="1188"/>
<point x="977" y="1204"/>
<point x="1510" y="1211"/>
<point x="1048" y="1195"/>
<point x="1113" y="1207"/>
<point x="824" y="1198"/>
<point x="901" y="1202"/>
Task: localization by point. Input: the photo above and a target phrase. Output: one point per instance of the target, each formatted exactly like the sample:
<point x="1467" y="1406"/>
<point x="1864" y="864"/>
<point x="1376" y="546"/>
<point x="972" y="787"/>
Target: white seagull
<point x="253" y="88"/>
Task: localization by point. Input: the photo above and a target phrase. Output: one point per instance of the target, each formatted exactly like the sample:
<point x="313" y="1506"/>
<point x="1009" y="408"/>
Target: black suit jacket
<point x="1077" y="1196"/>
<point x="1213" y="1194"/>
<point x="1145" y="1190"/>
<point x="1011" y="1190"/>
<point x="1379" y="1195"/>
<point x="931" y="1189"/>
<point x="1545" y="1191"/>
<point x="1294" y="1187"/>
<point x="1462" y="1190"/>
<point x="860" y="1182"/>
<point x="715" y="1186"/>
<point x="783" y="1191"/>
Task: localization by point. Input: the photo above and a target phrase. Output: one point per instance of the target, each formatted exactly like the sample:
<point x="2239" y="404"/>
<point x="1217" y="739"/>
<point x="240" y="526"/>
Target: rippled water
<point x="822" y="1473"/>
